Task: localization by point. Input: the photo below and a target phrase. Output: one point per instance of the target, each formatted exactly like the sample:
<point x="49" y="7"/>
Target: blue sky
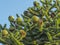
<point x="11" y="7"/>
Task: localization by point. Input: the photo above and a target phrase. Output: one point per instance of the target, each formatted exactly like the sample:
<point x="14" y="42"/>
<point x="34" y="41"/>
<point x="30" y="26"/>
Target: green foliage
<point x="39" y="25"/>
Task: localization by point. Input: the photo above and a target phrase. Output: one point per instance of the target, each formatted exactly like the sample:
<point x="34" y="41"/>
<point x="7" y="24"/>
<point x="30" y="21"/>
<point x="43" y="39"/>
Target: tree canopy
<point x="39" y="25"/>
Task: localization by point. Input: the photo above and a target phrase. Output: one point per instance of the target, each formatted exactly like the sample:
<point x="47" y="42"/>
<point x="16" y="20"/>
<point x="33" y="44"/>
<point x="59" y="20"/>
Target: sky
<point x="11" y="7"/>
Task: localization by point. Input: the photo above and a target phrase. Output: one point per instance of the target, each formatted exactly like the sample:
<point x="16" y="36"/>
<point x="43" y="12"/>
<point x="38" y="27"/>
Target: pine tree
<point x="39" y="25"/>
